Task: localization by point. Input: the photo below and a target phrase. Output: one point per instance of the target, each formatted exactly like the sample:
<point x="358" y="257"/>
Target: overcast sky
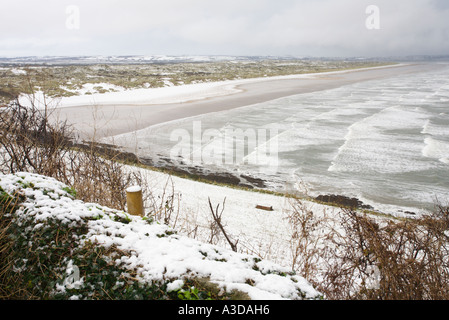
<point x="223" y="27"/>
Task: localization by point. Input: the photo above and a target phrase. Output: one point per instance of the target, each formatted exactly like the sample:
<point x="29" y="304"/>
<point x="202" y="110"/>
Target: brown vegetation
<point x="29" y="142"/>
<point x="356" y="256"/>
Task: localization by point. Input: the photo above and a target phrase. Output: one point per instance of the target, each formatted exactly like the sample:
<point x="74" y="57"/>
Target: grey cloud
<point x="296" y="27"/>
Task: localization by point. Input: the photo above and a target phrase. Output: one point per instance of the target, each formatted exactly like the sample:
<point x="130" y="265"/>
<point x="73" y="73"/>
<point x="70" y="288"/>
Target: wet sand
<point x="108" y="120"/>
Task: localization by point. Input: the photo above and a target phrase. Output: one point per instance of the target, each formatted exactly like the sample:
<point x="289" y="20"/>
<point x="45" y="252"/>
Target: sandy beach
<point x="101" y="120"/>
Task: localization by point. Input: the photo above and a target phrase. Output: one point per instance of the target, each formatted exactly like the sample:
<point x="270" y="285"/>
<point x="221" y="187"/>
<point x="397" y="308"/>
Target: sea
<point x="384" y="142"/>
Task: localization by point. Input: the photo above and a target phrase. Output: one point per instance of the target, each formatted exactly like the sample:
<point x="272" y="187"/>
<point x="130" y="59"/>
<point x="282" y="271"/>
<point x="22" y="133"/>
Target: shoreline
<point x="107" y="120"/>
<point x="224" y="179"/>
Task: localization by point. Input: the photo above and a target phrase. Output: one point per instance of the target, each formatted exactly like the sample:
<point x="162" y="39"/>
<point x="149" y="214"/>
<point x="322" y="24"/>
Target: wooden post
<point x="134" y="200"/>
<point x="264" y="208"/>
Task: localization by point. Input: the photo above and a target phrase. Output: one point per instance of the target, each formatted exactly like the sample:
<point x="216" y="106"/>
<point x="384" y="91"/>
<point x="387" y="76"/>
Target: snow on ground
<point x="267" y="234"/>
<point x="91" y="88"/>
<point x="156" y="252"/>
<point x="164" y="95"/>
<point x="18" y="71"/>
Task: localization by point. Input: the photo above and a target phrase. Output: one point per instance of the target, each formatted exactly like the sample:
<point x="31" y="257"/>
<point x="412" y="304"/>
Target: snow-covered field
<point x="266" y="234"/>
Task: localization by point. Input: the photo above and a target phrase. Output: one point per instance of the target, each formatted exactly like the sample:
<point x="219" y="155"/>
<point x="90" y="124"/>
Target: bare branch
<point x="217" y="219"/>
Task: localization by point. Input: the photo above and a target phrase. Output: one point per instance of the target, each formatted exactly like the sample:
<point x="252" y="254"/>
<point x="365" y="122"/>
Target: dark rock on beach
<point x="343" y="201"/>
<point x="200" y="173"/>
<point x="254" y="181"/>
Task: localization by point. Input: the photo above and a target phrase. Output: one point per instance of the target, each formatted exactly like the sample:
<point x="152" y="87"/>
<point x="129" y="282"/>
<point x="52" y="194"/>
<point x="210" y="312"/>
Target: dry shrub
<point x="366" y="257"/>
<point x="165" y="207"/>
<point x="306" y="234"/>
<point x="101" y="179"/>
<point x="29" y="142"/>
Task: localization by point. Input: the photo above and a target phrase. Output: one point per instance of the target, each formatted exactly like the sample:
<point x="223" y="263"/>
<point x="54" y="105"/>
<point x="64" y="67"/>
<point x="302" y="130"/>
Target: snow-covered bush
<point x="64" y="248"/>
